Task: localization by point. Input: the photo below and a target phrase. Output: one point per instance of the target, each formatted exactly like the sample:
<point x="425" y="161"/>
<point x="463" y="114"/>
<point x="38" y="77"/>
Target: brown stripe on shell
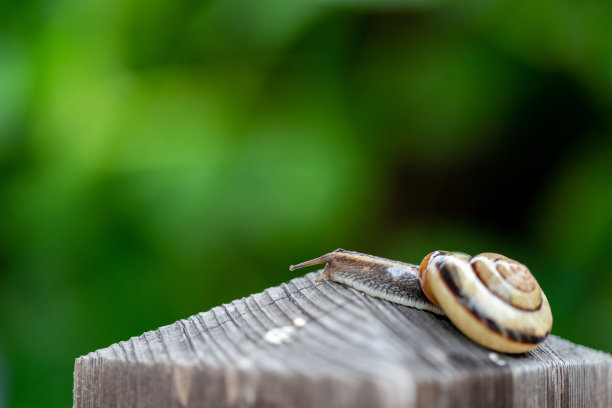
<point x="505" y="293"/>
<point x="448" y="273"/>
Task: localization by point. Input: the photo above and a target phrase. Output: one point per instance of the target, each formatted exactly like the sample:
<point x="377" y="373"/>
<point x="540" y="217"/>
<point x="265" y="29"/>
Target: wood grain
<point x="307" y="344"/>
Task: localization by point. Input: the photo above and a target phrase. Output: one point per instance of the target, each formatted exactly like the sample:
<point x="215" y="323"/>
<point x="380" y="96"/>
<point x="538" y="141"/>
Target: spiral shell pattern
<point x="492" y="299"/>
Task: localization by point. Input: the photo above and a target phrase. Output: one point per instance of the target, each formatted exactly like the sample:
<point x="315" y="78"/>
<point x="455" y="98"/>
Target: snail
<point x="494" y="300"/>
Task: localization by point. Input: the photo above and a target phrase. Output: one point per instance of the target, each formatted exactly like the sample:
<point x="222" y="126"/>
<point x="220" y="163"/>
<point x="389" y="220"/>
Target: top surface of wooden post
<point x="307" y="344"/>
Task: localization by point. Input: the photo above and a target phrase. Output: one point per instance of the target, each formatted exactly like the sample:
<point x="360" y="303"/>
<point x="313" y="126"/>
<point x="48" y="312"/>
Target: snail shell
<point x="493" y="300"/>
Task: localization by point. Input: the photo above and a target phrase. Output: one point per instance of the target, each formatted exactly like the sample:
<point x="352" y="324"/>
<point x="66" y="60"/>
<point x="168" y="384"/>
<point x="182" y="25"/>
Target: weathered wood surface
<point x="306" y="344"/>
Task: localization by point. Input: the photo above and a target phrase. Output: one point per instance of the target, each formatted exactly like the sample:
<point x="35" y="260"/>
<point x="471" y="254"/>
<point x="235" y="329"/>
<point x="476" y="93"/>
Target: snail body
<point x="493" y="300"/>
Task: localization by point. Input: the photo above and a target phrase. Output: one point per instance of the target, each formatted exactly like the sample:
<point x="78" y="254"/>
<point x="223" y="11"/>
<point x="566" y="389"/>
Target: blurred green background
<point x="160" y="158"/>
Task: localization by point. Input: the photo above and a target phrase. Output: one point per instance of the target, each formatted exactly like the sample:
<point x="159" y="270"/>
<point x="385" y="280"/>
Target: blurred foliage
<point x="159" y="159"/>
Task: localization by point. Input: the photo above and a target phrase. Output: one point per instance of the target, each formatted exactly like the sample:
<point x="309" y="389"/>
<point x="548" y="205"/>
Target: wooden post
<point x="307" y="344"/>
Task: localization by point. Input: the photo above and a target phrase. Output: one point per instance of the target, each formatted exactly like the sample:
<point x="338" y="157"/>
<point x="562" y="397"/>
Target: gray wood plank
<point x="307" y="344"/>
